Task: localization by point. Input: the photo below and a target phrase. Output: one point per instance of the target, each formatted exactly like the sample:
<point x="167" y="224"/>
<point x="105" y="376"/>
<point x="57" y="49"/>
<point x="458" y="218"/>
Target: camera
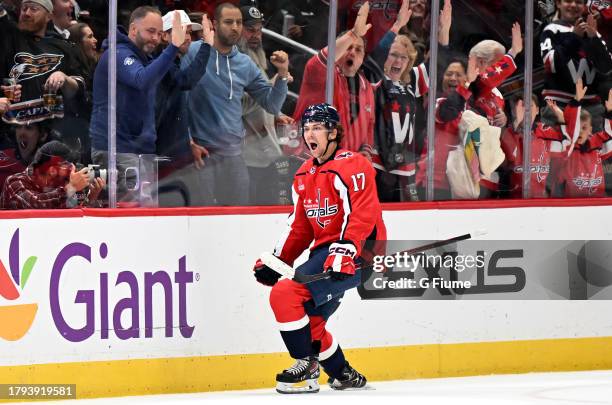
<point x="94" y="172"/>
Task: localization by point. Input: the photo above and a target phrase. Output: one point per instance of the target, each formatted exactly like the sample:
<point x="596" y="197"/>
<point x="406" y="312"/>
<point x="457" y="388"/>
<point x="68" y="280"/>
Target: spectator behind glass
<point x="447" y="135"/>
<point x="28" y="50"/>
<point x="29" y="138"/>
<point x="417" y="28"/>
<point x="487" y="68"/>
<point x="494" y="66"/>
<point x="353" y="93"/>
<point x="399" y="100"/>
<point x="171" y="115"/>
<point x="25" y="141"/>
<point x="572" y="49"/>
<point x="547" y="144"/>
<point x="582" y="173"/>
<point x="63" y="15"/>
<point x="260" y="148"/>
<point x="50" y="182"/>
<point x="138" y="76"/>
<point x="215" y="107"/>
<point x="82" y="35"/>
<point x="454" y="75"/>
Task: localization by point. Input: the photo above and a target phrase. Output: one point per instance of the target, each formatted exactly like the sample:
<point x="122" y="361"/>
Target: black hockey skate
<point x="300" y="378"/>
<point x="351" y="379"/>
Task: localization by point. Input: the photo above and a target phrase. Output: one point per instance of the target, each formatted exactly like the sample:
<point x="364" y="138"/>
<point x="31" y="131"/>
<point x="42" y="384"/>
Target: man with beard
<point x="138" y="76"/>
<point x="261" y="146"/>
<point x="50" y="182"/>
<point x="42" y="62"/>
<point x="215" y="107"/>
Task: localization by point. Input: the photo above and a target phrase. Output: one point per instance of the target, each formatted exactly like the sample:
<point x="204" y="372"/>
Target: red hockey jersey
<point x="582" y="171"/>
<point x="546" y="142"/>
<point x="488" y="101"/>
<point x="333" y="201"/>
<point x="359" y="134"/>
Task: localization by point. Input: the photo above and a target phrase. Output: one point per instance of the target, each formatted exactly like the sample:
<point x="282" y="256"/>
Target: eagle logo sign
<point x="28" y="66"/>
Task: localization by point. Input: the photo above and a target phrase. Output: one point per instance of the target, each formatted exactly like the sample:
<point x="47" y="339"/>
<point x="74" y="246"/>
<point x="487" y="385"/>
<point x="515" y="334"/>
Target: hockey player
<point x="336" y="206"/>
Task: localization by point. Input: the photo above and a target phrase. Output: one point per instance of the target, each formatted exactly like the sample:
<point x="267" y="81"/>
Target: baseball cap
<point x="168" y="17"/>
<point x="47" y="4"/>
<point x="251" y="15"/>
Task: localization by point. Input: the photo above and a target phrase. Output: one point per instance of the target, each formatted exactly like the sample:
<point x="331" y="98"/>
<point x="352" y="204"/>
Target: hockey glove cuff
<point x="340" y="261"/>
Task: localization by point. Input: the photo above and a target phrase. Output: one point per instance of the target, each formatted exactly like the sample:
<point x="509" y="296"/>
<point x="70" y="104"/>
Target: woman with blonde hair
<point x="399" y="101"/>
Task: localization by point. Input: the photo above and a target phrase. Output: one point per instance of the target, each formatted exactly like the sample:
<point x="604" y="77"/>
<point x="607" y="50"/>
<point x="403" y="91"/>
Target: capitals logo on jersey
<point x="28" y="66"/>
<point x="389" y="8"/>
<point x="540" y="168"/>
<point x="598" y="5"/>
<point x="585" y="182"/>
<point x="343" y="155"/>
<point x="315" y="210"/>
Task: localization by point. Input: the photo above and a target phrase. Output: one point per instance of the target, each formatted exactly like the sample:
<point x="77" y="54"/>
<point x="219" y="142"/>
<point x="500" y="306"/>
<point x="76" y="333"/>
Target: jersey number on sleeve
<point x="357" y="179"/>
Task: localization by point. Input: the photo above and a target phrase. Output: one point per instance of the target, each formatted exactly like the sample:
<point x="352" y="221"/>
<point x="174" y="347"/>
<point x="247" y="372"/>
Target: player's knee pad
<point x="282" y="293"/>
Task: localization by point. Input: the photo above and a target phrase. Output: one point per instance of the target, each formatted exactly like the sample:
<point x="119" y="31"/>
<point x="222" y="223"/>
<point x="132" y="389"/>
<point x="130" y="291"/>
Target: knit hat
<point x="47" y="4"/>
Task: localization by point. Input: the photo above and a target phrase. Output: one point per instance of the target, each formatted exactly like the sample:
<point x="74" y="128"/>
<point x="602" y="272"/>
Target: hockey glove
<point x="340" y="261"/>
<point x="264" y="274"/>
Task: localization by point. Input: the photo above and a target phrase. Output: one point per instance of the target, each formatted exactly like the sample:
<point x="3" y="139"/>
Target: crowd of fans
<point x="206" y="107"/>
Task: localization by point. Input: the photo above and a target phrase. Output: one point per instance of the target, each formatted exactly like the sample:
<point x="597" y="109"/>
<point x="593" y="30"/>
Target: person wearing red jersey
<point x="336" y="206"/>
<point x="488" y="67"/>
<point x="353" y="93"/>
<point x="582" y="173"/>
<point x="547" y="143"/>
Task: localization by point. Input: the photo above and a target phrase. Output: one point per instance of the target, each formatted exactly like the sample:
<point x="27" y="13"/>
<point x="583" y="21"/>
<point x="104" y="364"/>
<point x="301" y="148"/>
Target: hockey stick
<point x="285" y="270"/>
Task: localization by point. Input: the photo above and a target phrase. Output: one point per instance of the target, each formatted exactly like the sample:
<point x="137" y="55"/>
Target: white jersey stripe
<point x="346" y="204"/>
<point x="327" y="353"/>
<point x="294" y="325"/>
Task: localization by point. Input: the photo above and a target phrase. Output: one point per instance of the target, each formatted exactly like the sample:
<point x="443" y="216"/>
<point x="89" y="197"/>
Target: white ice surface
<point x="592" y="387"/>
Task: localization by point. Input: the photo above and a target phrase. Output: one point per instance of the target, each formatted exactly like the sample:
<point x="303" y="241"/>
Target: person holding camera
<point x="50" y="182"/>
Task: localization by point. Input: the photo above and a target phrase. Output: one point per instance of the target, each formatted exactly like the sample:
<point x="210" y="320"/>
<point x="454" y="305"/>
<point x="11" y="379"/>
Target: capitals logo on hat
<point x="255" y="13"/>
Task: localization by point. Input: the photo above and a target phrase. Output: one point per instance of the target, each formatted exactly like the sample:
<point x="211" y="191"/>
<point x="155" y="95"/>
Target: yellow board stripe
<point x="248" y="371"/>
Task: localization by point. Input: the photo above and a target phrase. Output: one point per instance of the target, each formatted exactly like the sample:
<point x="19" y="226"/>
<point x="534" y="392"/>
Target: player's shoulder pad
<point x="348" y="162"/>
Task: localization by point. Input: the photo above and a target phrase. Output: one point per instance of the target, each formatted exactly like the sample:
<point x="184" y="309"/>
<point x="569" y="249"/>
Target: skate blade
<point x="366" y="387"/>
<point x="303" y="387"/>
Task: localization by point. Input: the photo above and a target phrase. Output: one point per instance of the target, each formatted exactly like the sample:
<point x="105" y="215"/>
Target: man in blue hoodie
<point x="138" y="76"/>
<point x="215" y="109"/>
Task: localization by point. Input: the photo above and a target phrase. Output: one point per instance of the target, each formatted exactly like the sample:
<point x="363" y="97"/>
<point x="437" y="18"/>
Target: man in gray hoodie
<point x="215" y="109"/>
